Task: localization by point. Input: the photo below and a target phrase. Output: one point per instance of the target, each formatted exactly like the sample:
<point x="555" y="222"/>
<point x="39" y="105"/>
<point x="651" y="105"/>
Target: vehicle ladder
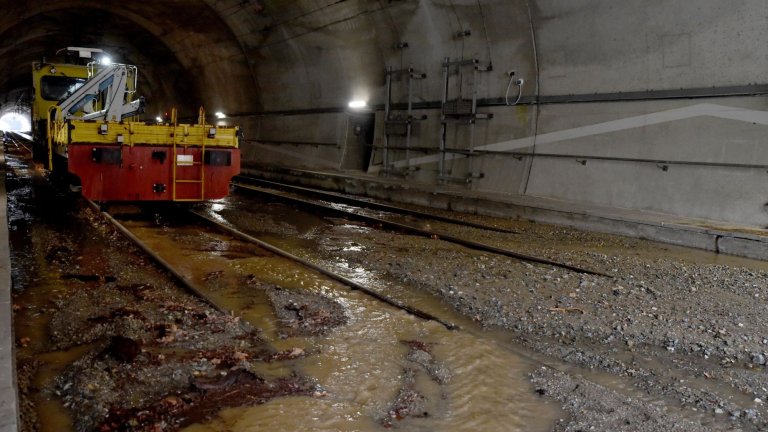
<point x="187" y="162"/>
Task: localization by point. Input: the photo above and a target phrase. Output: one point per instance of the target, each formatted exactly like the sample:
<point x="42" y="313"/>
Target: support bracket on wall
<point x="459" y="108"/>
<point x="399" y="122"/>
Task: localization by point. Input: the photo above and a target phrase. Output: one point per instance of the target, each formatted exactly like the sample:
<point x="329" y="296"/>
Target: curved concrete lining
<point x="285" y="72"/>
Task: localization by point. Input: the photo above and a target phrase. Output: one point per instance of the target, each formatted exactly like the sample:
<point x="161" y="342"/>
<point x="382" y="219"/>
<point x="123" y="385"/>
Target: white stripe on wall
<point x="698" y="110"/>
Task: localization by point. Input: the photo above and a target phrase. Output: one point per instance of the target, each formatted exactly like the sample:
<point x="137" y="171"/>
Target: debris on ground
<point x="302" y="313"/>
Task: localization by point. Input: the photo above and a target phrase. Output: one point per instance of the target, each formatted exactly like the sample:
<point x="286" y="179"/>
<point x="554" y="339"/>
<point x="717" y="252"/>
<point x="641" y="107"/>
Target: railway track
<point x="235" y="233"/>
<point x="271" y="248"/>
<point x="470" y="331"/>
<point x="193" y="287"/>
<point x="339" y="198"/>
<point x="16" y="140"/>
<point x="331" y="206"/>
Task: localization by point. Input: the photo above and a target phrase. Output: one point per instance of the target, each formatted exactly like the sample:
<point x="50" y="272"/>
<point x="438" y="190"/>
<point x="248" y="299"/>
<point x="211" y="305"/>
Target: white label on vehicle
<point x="184" y="160"/>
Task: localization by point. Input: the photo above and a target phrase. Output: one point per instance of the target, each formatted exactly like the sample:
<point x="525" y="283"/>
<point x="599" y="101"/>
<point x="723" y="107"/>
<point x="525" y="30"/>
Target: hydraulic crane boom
<point x="108" y="90"/>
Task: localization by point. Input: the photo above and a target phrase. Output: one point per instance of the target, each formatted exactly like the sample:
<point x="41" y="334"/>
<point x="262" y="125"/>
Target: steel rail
<point x="426" y="233"/>
<point x="274" y="249"/>
<point x="157" y="258"/>
<point x="535" y="358"/>
<point x="372" y="205"/>
<point x="337" y="277"/>
<point x="17" y="139"/>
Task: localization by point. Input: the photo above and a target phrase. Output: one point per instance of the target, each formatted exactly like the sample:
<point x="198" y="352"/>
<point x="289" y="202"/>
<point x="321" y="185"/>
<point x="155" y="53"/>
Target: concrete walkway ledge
<point x="720" y="237"/>
<point x="9" y="408"/>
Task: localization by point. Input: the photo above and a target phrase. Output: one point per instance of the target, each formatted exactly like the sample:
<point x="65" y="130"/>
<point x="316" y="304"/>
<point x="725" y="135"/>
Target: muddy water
<point x="360" y="364"/>
<point x="32" y="323"/>
<point x="247" y="214"/>
<point x="35" y="285"/>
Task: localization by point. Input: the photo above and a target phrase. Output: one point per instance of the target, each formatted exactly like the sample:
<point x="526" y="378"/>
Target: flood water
<point x="360" y="364"/>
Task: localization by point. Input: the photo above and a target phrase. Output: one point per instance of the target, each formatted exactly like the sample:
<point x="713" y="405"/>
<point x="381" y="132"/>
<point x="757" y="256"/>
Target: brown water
<point x="32" y="322"/>
<point x="300" y="245"/>
<point x="361" y="363"/>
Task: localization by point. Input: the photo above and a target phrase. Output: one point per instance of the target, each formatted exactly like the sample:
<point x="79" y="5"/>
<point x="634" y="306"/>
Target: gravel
<point x="669" y="322"/>
<point x="672" y="326"/>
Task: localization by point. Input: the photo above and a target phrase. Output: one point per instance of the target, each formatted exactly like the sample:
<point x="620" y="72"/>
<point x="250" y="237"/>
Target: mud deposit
<point x="410" y="402"/>
<point x="106" y="341"/>
<point x="304" y="314"/>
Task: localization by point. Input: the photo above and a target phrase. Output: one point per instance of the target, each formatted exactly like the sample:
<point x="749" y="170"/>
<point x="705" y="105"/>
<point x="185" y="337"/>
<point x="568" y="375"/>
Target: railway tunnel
<point x="450" y="215"/>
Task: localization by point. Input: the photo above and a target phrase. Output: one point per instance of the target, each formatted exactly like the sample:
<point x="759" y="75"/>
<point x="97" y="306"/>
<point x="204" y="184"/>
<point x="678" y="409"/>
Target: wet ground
<point x="379" y="367"/>
<point x="674" y="327"/>
<point x="107" y="341"/>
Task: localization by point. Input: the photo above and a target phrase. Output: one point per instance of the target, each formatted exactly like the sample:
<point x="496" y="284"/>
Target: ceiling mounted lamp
<point x="358" y="104"/>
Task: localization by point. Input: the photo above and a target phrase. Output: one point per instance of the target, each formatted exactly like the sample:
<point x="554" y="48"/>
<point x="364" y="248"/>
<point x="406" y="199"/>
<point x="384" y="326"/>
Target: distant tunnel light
<point x="159" y="119"/>
<point x="15" y="122"/>
<point x="358" y="104"/>
<point x="220" y="115"/>
<point x="106" y="61"/>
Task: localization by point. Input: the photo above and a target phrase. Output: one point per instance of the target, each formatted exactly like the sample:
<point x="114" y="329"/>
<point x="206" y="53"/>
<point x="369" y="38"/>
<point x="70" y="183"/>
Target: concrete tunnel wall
<point x="187" y="54"/>
<point x="638" y="69"/>
<point x="649" y="104"/>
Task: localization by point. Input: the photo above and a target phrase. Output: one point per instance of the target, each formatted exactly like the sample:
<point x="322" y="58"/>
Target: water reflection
<point x="360" y="365"/>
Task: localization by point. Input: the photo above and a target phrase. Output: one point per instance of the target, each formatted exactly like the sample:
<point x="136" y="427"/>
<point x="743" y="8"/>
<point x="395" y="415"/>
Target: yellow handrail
<point x="174" y="120"/>
<point x="49" y="133"/>
<point x="202" y="154"/>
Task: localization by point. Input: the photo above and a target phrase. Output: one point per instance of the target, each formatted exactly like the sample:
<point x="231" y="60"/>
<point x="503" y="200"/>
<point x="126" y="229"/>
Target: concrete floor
<point x="9" y="414"/>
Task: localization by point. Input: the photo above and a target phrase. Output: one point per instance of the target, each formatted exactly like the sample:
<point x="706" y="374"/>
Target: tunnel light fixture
<point x="220" y="115"/>
<point x="105" y="60"/>
<point x="358" y="104"/>
<point x="15" y="122"/>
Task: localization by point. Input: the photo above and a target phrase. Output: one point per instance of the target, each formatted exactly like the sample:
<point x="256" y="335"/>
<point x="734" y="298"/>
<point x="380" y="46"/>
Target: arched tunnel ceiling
<point x="246" y="56"/>
<point x="252" y="56"/>
<point x="227" y="54"/>
<point x="40" y="37"/>
<point x="186" y="54"/>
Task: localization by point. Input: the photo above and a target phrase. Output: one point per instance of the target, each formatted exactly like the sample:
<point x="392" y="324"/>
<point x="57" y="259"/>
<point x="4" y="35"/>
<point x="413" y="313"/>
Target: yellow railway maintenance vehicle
<point x="85" y="122"/>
